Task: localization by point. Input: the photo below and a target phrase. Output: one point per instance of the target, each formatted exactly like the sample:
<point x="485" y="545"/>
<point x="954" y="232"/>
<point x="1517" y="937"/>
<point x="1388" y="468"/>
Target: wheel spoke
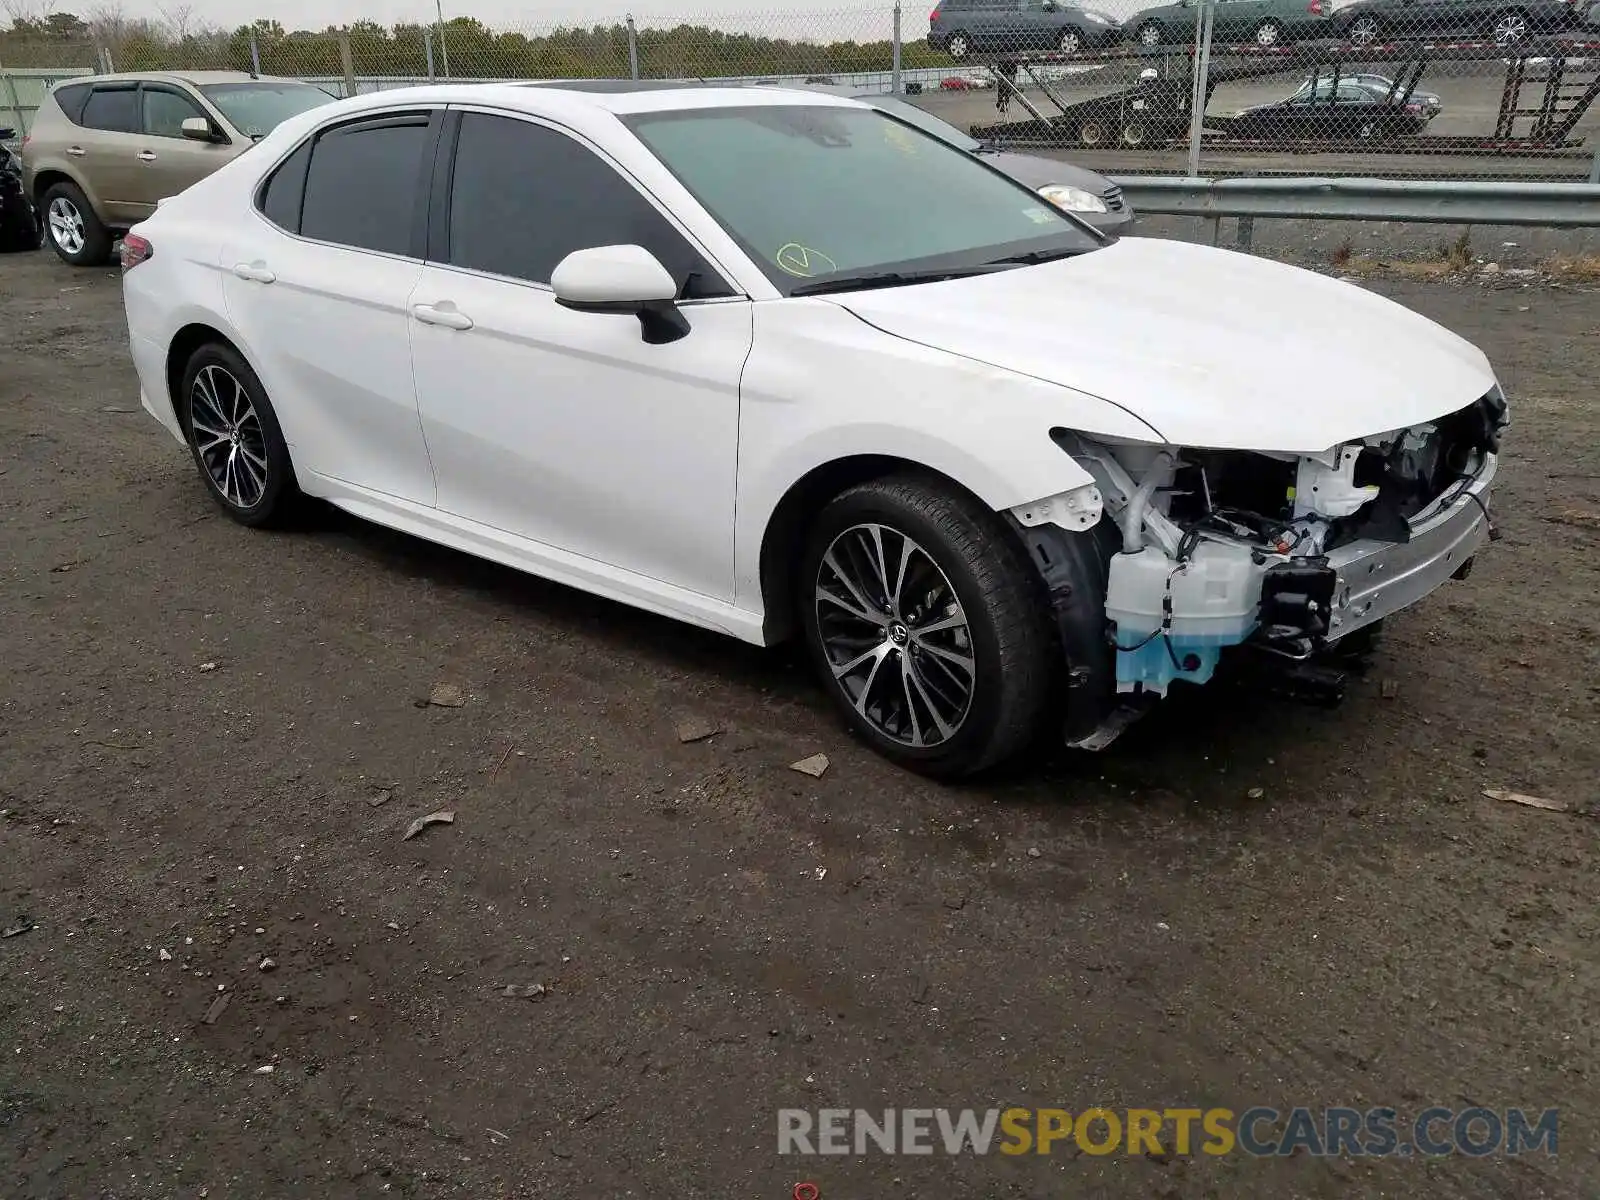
<point x="864" y="609"/>
<point x="957" y="621"/>
<point x="844" y="668"/>
<point x="964" y="661"/>
<point x="911" y="707"/>
<point x="214" y="437"/>
<point x="908" y="668"/>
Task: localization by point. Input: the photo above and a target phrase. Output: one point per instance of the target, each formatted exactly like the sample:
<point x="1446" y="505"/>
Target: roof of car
<point x="195" y="77"/>
<point x="614" y="96"/>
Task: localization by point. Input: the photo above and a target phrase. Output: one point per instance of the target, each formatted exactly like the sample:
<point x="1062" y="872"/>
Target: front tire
<point x="927" y="625"/>
<point x="1269" y="33"/>
<point x="72" y="229"/>
<point x="235" y="439"/>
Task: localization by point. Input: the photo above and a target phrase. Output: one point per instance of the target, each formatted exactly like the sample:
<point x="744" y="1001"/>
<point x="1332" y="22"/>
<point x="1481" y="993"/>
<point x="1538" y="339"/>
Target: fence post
<point x="1594" y="166"/>
<point x="347" y="63"/>
<point x="255" y="53"/>
<point x="894" y="71"/>
<point x="427" y="50"/>
<point x="444" y="44"/>
<point x="1200" y="72"/>
<point x="633" y="49"/>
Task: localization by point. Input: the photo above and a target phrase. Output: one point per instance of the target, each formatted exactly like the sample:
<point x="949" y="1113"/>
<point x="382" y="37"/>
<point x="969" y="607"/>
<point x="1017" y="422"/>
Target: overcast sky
<point x="844" y="19"/>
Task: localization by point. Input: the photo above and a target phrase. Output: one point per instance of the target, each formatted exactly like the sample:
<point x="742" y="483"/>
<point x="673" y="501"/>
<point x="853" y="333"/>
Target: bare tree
<point x="178" y="19"/>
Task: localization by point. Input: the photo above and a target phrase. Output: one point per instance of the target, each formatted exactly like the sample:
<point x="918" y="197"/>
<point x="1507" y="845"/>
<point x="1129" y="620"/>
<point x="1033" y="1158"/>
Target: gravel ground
<point x="213" y="740"/>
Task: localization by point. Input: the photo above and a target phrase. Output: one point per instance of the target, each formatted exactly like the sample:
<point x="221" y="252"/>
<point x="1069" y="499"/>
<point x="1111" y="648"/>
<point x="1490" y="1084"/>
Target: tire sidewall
<point x="280" y="471"/>
<point x="864" y="507"/>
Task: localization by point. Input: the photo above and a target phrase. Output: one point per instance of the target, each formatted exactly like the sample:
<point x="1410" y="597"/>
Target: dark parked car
<point x="19" y="229"/>
<point x="1383" y="85"/>
<point x="1093" y="197"/>
<point x="963" y="27"/>
<point x="1264" y="22"/>
<point x="1334" y="110"/>
<point x="1505" y="22"/>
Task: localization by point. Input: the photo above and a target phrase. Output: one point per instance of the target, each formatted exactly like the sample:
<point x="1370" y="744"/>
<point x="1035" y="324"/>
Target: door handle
<point x="75" y="151"/>
<point x="147" y="156"/>
<point x="444" y="314"/>
<point x="254" y="272"/>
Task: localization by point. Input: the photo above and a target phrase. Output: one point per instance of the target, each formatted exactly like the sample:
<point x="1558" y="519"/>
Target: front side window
<point x="166" y="111"/>
<point x="115" y="110"/>
<point x="364" y="184"/>
<point x="255" y="109"/>
<point x="811" y="190"/>
<point x="525" y="196"/>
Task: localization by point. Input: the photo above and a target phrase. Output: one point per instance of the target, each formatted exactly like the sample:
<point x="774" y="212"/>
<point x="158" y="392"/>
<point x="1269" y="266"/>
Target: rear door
<point x="106" y="147"/>
<point x="170" y="161"/>
<point x="317" y="283"/>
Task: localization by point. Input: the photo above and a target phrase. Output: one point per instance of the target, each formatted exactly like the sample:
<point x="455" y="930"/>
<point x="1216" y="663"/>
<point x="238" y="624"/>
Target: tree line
<point x="472" y="49"/>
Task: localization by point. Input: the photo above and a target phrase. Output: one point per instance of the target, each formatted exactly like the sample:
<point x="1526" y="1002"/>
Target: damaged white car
<point x="780" y="365"/>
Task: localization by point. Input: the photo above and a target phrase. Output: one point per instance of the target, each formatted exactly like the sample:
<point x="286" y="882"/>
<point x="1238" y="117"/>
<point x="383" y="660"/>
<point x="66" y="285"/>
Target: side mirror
<point x="198" y="129"/>
<point x="7" y="134"/>
<point x="621" y="279"/>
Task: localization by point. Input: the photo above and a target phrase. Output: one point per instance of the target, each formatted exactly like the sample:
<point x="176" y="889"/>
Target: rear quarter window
<point x="70" y="100"/>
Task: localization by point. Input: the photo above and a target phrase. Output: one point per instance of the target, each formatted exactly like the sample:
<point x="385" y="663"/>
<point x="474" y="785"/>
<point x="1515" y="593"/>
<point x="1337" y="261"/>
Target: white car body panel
<point x="562" y="444"/>
<point x="1211" y="347"/>
<point x="567" y="428"/>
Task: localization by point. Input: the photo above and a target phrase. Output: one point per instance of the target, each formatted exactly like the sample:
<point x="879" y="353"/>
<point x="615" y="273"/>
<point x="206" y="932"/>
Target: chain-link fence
<point x="1366" y="87"/>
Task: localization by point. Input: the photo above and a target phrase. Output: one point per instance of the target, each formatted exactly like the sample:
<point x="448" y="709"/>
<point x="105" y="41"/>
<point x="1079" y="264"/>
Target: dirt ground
<point x="212" y="741"/>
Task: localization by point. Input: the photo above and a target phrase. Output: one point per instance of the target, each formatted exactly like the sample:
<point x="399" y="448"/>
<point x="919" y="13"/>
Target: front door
<point x="321" y="287"/>
<point x="568" y="428"/>
<point x="169" y="161"/>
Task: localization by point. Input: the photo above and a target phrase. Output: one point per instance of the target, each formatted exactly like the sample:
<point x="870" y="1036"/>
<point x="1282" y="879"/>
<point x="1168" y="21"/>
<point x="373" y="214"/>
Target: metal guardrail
<point x="1450" y="202"/>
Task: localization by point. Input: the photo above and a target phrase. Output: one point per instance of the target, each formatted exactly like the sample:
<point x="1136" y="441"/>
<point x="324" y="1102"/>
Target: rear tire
<point x="1150" y="34"/>
<point x="1070" y="42"/>
<point x="235" y="439"/>
<point x="1269" y="33"/>
<point x="928" y="626"/>
<point x="72" y="229"/>
<point x="959" y="45"/>
<point x="1364" y="30"/>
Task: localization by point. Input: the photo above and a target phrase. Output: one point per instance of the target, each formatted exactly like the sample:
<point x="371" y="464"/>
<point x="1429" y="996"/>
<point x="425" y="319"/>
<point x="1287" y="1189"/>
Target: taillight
<point x="933" y="17"/>
<point x="135" y="250"/>
<point x="1315" y="8"/>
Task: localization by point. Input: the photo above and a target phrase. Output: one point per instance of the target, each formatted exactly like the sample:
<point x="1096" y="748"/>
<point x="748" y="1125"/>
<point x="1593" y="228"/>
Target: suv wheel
<point x="1071" y="41"/>
<point x="959" y="45"/>
<point x="75" y="233"/>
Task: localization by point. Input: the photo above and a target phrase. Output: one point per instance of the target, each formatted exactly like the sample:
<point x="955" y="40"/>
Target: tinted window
<point x="71" y="100"/>
<point x="165" y="112"/>
<point x="524" y="197"/>
<point x="280" y="199"/>
<point x="363" y="184"/>
<point x="114" y="110"/>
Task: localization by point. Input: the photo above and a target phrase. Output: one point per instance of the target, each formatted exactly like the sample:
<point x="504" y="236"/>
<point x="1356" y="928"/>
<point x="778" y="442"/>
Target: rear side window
<point x="71" y="99"/>
<point x="285" y="189"/>
<point x="364" y="183"/>
<point x="525" y="196"/>
<point x="115" y="110"/>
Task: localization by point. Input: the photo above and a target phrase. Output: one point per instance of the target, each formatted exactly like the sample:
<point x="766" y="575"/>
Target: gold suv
<point x="104" y="149"/>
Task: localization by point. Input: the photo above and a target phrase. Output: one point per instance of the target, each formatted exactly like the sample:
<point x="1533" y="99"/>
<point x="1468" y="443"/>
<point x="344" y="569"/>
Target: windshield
<point x="815" y="191"/>
<point x="925" y="121"/>
<point x="256" y="109"/>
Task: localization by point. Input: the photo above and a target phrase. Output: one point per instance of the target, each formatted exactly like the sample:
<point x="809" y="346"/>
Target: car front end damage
<point x="1287" y="555"/>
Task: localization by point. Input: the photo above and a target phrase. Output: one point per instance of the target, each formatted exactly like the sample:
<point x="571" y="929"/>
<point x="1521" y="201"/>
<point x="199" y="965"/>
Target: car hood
<point x="1035" y="171"/>
<point x="1212" y="348"/>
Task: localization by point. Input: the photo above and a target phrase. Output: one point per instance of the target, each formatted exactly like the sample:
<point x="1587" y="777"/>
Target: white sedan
<point x="778" y="364"/>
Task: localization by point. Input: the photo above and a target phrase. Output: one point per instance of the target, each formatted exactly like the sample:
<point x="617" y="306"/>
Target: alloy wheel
<point x="1364" y="30"/>
<point x="1071" y="43"/>
<point x="1150" y="35"/>
<point x="1268" y="35"/>
<point x="895" y="635"/>
<point x="66" y="225"/>
<point x="957" y="47"/>
<point x="228" y="436"/>
<point x="1509" y="28"/>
